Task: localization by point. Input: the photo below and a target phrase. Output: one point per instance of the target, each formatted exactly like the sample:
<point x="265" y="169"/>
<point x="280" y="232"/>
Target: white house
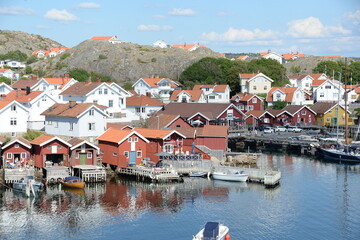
<point x="75" y="119"/>
<point x="54" y="86"/>
<point x="36" y="102"/>
<point x="274" y="56"/>
<point x="255" y="83"/>
<point x="301" y="81"/>
<point x="161" y="44"/>
<point x="5" y="89"/>
<point x="215" y="93"/>
<point x="8" y="73"/>
<point x="118" y="88"/>
<point x="110" y="39"/>
<point x="12" y="63"/>
<point x="99" y="93"/>
<point x="142" y="107"/>
<point x="13" y="117"/>
<point x="158" y="88"/>
<point x="189" y="47"/>
<point x="291" y="95"/>
<point x="189" y="96"/>
<point x="328" y="91"/>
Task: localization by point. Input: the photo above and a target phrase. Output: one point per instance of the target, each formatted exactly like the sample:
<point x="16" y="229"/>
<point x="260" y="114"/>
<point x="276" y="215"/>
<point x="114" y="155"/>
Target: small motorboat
<point x="73" y="182"/>
<point x="229" y="175"/>
<point x="197" y="174"/>
<point x="28" y="185"/>
<point x="212" y="231"/>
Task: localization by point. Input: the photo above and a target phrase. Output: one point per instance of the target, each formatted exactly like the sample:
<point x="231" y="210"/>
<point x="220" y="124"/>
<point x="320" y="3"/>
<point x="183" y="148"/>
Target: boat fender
<point x="332" y="146"/>
<point x="227" y="237"/>
<point x="52" y="180"/>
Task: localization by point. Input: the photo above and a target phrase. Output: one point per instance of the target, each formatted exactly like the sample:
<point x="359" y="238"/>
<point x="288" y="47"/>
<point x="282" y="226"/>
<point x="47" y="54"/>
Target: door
<point x="132" y="157"/>
<point x="82" y="158"/>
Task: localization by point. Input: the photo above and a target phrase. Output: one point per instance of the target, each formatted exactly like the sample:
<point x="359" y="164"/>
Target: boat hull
<point x="230" y="177"/>
<point x="340" y="156"/>
<point x="223" y="230"/>
<point x="80" y="185"/>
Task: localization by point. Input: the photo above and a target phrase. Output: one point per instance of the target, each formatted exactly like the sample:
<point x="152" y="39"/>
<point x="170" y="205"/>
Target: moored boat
<point x="197" y="174"/>
<point x="347" y="155"/>
<point x="230" y="175"/>
<point x="73" y="182"/>
<point x="212" y="231"/>
<point x="28" y="185"/>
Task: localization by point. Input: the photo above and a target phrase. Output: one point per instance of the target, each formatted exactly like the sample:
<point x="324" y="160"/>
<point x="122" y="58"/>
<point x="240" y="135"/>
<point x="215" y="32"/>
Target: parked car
<point x="262" y="127"/>
<point x="279" y="129"/>
<point x="294" y="129"/>
<point x="268" y="130"/>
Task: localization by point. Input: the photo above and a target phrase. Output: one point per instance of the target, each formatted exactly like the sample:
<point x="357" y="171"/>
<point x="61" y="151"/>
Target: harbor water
<point x="315" y="200"/>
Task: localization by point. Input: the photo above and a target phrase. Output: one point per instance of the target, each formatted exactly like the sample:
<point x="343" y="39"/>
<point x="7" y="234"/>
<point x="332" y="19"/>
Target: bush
<point x="32" y="134"/>
<point x="153" y="60"/>
<point x="64" y="55"/>
<point x="102" y="57"/>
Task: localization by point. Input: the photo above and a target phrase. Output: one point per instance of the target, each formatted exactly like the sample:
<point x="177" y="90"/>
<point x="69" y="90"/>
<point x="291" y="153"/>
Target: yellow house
<point x="255" y="83"/>
<point x="327" y="114"/>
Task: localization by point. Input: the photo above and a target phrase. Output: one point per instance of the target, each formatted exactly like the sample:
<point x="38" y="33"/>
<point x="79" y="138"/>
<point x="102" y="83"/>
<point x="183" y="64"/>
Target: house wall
<point x="328" y="92"/>
<point x="215" y="143"/>
<point x="39" y="105"/>
<point x="149" y="110"/>
<point x="4" y="90"/>
<point x="180" y="123"/>
<point x="21" y="116"/>
<point x="329" y="118"/>
<point x="303" y="117"/>
<point x="13" y="150"/>
<point x="73" y="160"/>
<point x="261" y="85"/>
<point x="298" y="98"/>
<point x="39" y="153"/>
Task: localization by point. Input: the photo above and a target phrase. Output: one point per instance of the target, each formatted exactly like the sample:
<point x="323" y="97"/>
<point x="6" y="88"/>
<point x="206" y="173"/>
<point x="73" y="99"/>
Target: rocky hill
<point x="25" y="42"/>
<point x="123" y="62"/>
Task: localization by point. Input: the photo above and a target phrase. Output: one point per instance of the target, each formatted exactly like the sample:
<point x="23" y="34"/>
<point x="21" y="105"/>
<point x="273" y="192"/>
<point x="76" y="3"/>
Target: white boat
<point x="231" y="175"/>
<point x="28" y="185"/>
<point x="212" y="231"/>
<point x="198" y="174"/>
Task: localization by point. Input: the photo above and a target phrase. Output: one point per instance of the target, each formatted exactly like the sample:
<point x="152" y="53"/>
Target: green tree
<point x="128" y="86"/>
<point x="354" y="69"/>
<point x="28" y="70"/>
<point x="15" y="55"/>
<point x="271" y="68"/>
<point x="295" y="69"/>
<point x="31" y="60"/>
<point x="79" y="74"/>
<point x="5" y="80"/>
<point x="327" y="67"/>
<point x="32" y="134"/>
<point x="279" y="104"/>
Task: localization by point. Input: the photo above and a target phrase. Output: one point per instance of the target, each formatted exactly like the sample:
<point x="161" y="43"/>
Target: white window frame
<point x="89" y="155"/>
<point x="9" y="156"/>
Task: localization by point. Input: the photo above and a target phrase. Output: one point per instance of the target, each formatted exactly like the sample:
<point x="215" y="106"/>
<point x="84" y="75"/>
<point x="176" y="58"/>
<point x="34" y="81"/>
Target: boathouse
<point x="82" y="152"/>
<point x="17" y="151"/>
<point x="50" y="151"/>
<point x="213" y="137"/>
<point x="122" y="148"/>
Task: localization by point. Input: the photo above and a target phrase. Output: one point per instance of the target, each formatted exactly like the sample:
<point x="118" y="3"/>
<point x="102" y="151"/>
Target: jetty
<point x="150" y="174"/>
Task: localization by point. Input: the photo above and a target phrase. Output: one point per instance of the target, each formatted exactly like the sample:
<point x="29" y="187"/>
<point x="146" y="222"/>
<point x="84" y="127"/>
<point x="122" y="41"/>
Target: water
<point x="315" y="200"/>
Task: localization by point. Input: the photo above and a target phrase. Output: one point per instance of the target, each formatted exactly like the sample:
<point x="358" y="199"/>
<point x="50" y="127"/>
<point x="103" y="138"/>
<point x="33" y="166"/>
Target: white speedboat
<point x="229" y="175"/>
<point x="212" y="231"/>
<point x="28" y="185"/>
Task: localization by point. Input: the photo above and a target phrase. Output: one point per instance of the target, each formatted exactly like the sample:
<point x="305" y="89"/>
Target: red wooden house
<point x="256" y="118"/>
<point x="161" y="121"/>
<point x="17" y="151"/>
<point x="247" y="102"/>
<point x="122" y="147"/>
<point x="213" y="137"/>
<point x="82" y="152"/>
<point x="162" y="140"/>
<point x="50" y="149"/>
<point x="296" y="115"/>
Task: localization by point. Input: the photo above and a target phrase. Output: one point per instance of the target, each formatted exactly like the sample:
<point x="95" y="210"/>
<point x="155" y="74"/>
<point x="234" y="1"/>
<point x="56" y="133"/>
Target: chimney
<point x="67" y="75"/>
<point x="148" y="94"/>
<point x="28" y="90"/>
<point x="33" y="77"/>
<point x="72" y="103"/>
<point x="98" y="80"/>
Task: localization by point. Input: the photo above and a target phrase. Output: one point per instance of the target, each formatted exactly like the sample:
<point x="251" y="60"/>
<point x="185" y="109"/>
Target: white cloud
<point x="16" y="11"/>
<point x="88" y="5"/>
<point x="154" y="28"/>
<point x="233" y="34"/>
<point x="60" y="15"/>
<point x="258" y="43"/>
<point x="182" y="12"/>
<point x="224" y="14"/>
<point x="159" y="17"/>
<point x="354" y="17"/>
<point x="312" y="27"/>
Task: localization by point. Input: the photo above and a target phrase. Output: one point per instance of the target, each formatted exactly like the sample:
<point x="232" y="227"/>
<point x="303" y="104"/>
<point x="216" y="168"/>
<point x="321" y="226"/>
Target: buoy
<point x="227" y="236"/>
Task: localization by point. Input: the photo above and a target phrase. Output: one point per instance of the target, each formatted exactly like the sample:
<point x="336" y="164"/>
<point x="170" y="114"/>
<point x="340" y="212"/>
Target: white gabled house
<point x="8" y="73"/>
<point x="291" y="95"/>
<point x="36" y="102"/>
<point x="13" y="117"/>
<point x="141" y="107"/>
<point x="215" y="93"/>
<point x="75" y="120"/>
<point x="328" y="91"/>
<point x="274" y="56"/>
<point x="54" y="86"/>
<point x="99" y="93"/>
<point x="188" y="96"/>
<point x="255" y="83"/>
<point x="305" y="82"/>
<point x="110" y="39"/>
<point x="161" y="44"/>
<point x="118" y="88"/>
<point x="4" y="89"/>
<point x="158" y="88"/>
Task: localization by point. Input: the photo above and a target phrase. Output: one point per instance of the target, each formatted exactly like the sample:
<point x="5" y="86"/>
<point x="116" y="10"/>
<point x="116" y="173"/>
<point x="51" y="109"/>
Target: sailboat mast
<point x="346" y="119"/>
<point x="338" y="110"/>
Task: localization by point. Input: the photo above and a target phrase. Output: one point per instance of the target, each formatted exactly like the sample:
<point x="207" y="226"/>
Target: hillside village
<point x="101" y="122"/>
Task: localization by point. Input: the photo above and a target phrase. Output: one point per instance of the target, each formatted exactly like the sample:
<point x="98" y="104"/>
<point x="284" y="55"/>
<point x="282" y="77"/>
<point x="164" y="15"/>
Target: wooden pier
<point x="12" y="175"/>
<point x="151" y="174"/>
<point x="89" y="173"/>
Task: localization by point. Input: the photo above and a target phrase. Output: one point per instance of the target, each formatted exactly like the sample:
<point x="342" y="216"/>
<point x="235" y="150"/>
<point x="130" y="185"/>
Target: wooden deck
<point x="151" y="174"/>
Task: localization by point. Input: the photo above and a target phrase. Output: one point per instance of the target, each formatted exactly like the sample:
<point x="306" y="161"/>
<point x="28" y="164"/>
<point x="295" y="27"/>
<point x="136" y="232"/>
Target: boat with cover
<point x="73" y="182"/>
<point x="28" y="185"/>
<point x="231" y="175"/>
<point x="212" y="231"/>
<point x="346" y="154"/>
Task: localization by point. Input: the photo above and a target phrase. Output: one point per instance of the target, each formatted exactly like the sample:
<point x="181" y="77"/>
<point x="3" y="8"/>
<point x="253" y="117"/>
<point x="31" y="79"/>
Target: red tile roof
<point x="216" y="88"/>
<point x="20" y="96"/>
<point x="116" y="135"/>
<point x="71" y="110"/>
<point x="153" y="82"/>
<point x="142" y="100"/>
<point x="212" y="131"/>
<point x="255" y="113"/>
<point x="4" y="103"/>
<point x="161" y="120"/>
<point x="101" y="38"/>
<point x="289" y="91"/>
<point x="41" y="139"/>
<point x="194" y="94"/>
<point x="81" y="88"/>
<point x="58" y="81"/>
<point x="243" y="57"/>
<point x="317" y="82"/>
<point x="186" y="46"/>
<point x="22" y="84"/>
<point x="119" y="126"/>
<point x="247" y="75"/>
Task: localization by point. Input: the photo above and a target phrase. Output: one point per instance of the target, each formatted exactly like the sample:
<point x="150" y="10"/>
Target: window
<point x="136" y="139"/>
<point x="121" y="101"/>
<point x="48" y="147"/>
<point x="95" y="101"/>
<point x="327" y="87"/>
<point x="265" y="87"/>
<point x="111" y="103"/>
<point x="230" y="113"/>
<point x="278" y="95"/>
<point x="251" y="107"/>
<point x="56" y="124"/>
<point x="168" y="148"/>
<point x="130" y="139"/>
<point x="59" y="146"/>
<point x="254" y="100"/>
<point x="9" y="156"/>
<point x="241" y="107"/>
<point x="89" y="155"/>
<point x="91" y="126"/>
<point x="126" y="154"/>
<point x="105" y="91"/>
<point x="137" y="109"/>
<point x="13" y="121"/>
<point x="83" y="146"/>
<point x="303" y="112"/>
<point x="71" y="125"/>
<point x="91" y="112"/>
<point x="100" y="91"/>
<point x="254" y="87"/>
<point x="139" y="154"/>
<point x="77" y="155"/>
<point x="17" y="145"/>
<point x="23" y="155"/>
<point x="327" y="119"/>
<point x="13" y="107"/>
<point x="143" y="109"/>
<point x="321" y="94"/>
<point x="207" y="89"/>
<point x="211" y="97"/>
<point x="115" y="154"/>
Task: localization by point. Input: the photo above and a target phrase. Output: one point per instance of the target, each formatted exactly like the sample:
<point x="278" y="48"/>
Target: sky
<point x="312" y="27"/>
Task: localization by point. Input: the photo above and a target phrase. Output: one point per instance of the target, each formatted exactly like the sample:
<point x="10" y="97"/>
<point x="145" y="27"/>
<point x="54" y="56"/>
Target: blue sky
<point x="313" y="27"/>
